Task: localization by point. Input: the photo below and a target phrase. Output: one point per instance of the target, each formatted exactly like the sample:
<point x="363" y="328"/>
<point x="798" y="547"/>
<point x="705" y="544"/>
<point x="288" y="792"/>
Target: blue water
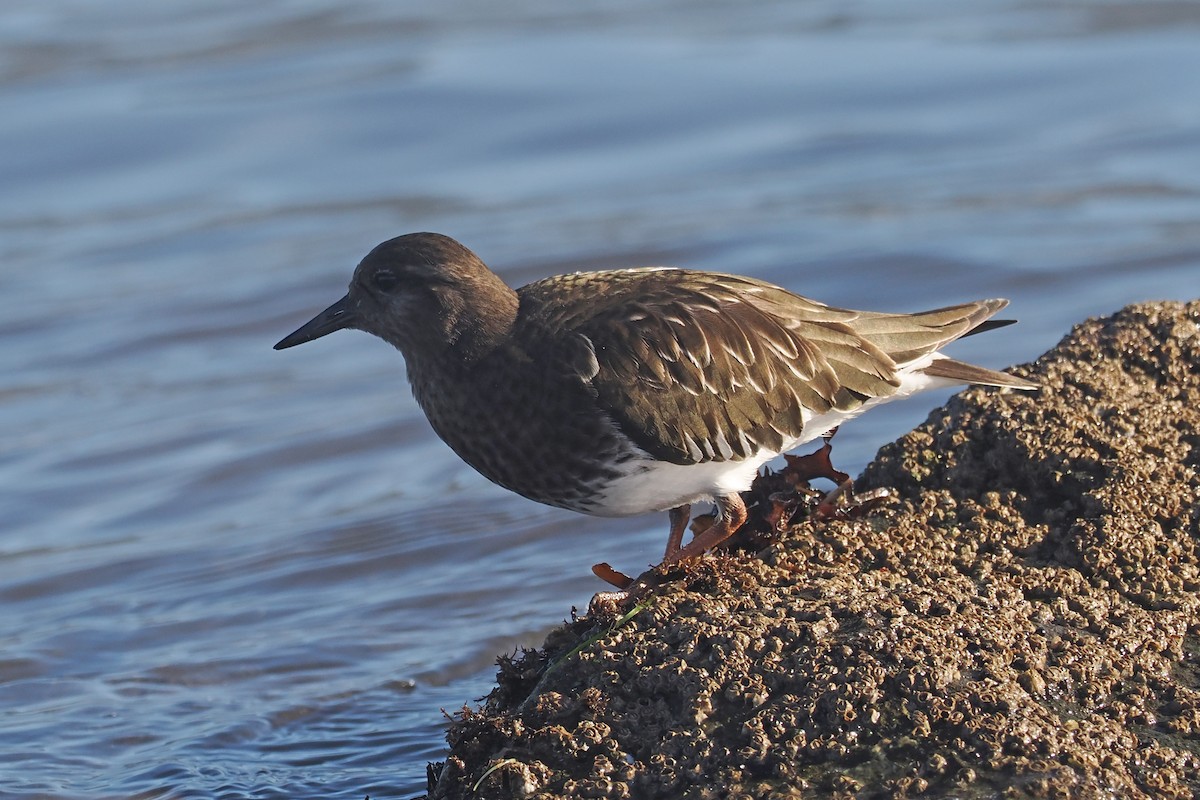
<point x="231" y="572"/>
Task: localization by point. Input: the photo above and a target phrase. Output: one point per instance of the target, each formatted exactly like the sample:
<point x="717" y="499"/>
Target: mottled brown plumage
<point x="627" y="391"/>
<point x="699" y="366"/>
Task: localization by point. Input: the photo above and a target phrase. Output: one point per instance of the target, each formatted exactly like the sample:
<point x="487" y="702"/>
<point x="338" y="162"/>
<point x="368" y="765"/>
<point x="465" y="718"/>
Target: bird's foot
<point x="605" y="572"/>
<point x="801" y="469"/>
<point x="629" y="590"/>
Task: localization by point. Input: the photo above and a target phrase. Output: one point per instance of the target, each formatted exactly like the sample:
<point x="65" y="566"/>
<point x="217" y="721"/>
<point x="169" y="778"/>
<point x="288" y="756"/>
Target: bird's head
<point x="424" y="293"/>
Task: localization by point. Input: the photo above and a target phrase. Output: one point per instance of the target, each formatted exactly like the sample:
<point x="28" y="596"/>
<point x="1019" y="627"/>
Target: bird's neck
<point x="444" y="376"/>
<point x="483" y="322"/>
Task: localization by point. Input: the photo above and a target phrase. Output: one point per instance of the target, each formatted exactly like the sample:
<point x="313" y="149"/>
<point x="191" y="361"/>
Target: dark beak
<point x="337" y="316"/>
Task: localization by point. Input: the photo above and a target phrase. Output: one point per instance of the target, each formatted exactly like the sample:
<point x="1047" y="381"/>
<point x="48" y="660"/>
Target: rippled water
<point x="231" y="572"/>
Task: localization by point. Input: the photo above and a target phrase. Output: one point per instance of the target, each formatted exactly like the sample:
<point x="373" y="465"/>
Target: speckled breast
<point x="539" y="435"/>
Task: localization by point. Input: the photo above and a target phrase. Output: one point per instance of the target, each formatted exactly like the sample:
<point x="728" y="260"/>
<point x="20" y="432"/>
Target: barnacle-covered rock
<point x="1022" y="621"/>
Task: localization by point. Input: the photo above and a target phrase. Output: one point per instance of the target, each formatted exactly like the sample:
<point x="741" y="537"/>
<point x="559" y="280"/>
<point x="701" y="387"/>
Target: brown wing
<point x="693" y="367"/>
<point x="697" y="366"/>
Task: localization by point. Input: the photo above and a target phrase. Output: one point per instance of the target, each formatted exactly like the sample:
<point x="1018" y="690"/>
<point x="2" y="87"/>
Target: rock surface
<point x="1022" y="621"/>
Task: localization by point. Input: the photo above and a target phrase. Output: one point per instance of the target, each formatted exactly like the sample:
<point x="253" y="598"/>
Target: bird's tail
<point x="969" y="373"/>
<point x="914" y="338"/>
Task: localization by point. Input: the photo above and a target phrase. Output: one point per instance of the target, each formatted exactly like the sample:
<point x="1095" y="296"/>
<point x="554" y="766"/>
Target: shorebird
<point x="628" y="391"/>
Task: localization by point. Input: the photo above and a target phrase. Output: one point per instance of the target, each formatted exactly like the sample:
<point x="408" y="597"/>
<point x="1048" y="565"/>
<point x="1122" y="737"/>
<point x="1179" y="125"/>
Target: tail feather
<point x="969" y="373"/>
<point x="907" y="338"/>
<point x="989" y="325"/>
<point x="911" y="339"/>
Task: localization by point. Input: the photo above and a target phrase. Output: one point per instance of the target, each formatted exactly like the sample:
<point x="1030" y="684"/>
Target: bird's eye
<point x="385" y="280"/>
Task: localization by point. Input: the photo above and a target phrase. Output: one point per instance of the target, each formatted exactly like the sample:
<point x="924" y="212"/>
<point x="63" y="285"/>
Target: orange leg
<point x="731" y="513"/>
<point x="679" y="520"/>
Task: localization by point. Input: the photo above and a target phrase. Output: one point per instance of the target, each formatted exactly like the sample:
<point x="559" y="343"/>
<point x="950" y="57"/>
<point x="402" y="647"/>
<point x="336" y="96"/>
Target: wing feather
<point x="697" y="366"/>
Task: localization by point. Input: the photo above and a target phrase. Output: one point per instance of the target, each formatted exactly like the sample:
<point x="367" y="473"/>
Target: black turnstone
<point x="627" y="391"/>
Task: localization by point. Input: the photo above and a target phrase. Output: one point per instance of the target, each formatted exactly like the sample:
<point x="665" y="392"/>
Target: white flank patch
<point x="662" y="486"/>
